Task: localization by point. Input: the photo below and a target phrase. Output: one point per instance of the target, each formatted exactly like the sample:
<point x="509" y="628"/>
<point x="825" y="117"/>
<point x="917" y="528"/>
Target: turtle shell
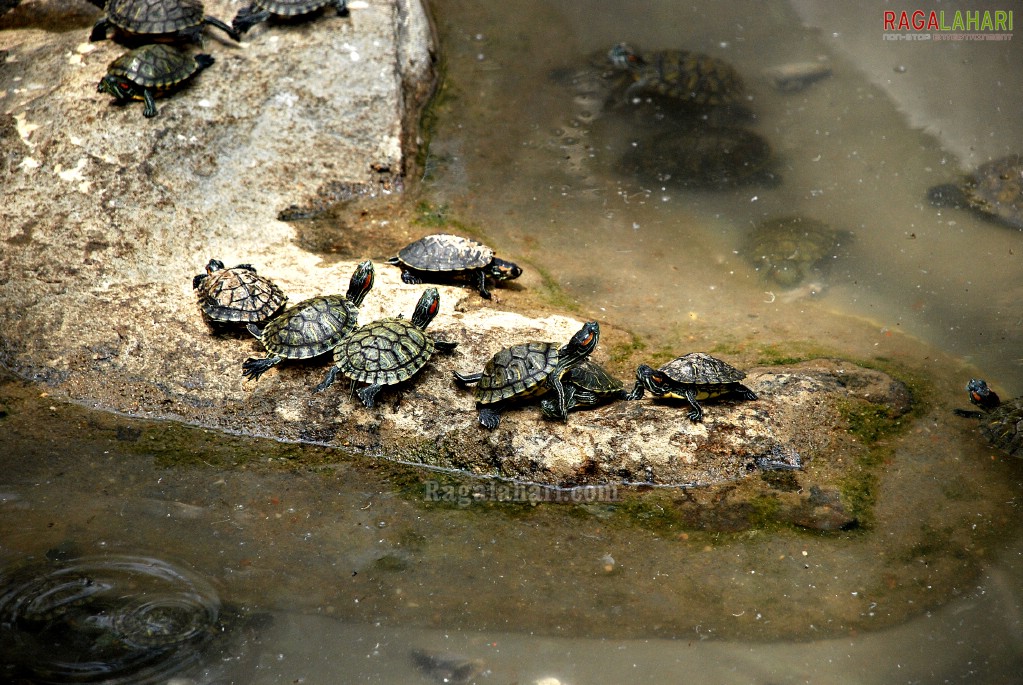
<point x="237" y="294"/>
<point x="291" y="8"/>
<point x="697" y="368"/>
<point x="517" y="371"/>
<point x="593" y="377"/>
<point x="157" y="66"/>
<point x="787" y="250"/>
<point x="1003" y="427"/>
<point x="155" y="16"/>
<point x="692" y="79"/>
<point x="445" y="252"/>
<point x="384" y="352"/>
<point x="311" y="327"/>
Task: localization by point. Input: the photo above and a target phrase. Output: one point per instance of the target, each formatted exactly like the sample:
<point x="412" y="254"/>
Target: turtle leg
<point x="467" y="378"/>
<point x="481" y="283"/>
<point x="342" y="7"/>
<point x="410" y="278"/>
<point x="99" y="30"/>
<point x="490" y="417"/>
<point x="246" y="19"/>
<point x="368" y="394"/>
<point x="213" y="21"/>
<point x="636" y="393"/>
<point x="150" y="111"/>
<point x="560" y="398"/>
<point x="744" y="392"/>
<point x="254" y="368"/>
<point x="445" y="345"/>
<point x="696" y="414"/>
<point x="329" y="380"/>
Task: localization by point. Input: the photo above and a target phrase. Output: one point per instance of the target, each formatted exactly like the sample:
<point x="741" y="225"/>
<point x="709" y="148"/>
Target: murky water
<point x="350" y="570"/>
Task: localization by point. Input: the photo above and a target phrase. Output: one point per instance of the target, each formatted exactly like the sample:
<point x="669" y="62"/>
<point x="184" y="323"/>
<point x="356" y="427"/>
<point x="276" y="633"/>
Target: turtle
<point x="1000" y="423"/>
<point x="312" y="327"/>
<point x="994" y="190"/>
<point x="529" y="370"/>
<point x="388" y="351"/>
<point x="236" y="295"/>
<point x="586" y="385"/>
<point x="700" y="156"/>
<point x="181" y="18"/>
<point x="691" y="377"/>
<point x="145" y="72"/>
<point x="447" y="256"/>
<point x="259" y="11"/>
<point x="693" y="80"/>
<point x="788" y="249"/>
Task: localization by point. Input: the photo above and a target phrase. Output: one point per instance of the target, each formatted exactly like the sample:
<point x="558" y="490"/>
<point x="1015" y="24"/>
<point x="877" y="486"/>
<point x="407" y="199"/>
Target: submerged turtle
<point x="148" y="71"/>
<point x="184" y="18"/>
<point x="446" y="256"/>
<point x="1001" y="424"/>
<point x="691" y="79"/>
<point x="700" y="157"/>
<point x="692" y="377"/>
<point x="388" y="351"/>
<point x="261" y="10"/>
<point x="311" y="327"/>
<point x="995" y="190"/>
<point x="236" y="295"/>
<point x="789" y="249"/>
<point x="586" y="385"/>
<point x="529" y="370"/>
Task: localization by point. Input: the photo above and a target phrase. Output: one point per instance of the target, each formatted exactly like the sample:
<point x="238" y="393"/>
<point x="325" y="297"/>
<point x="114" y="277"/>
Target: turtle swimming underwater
<point x="236" y="295"/>
<point x="700" y="157"/>
<point x="994" y="189"/>
<point x="445" y="256"/>
<point x="261" y="10"/>
<point x="1000" y="423"/>
<point x="586" y="385"/>
<point x="529" y="370"/>
<point x="148" y="71"/>
<point x="388" y="351"/>
<point x="692" y="377"/>
<point x="790" y="249"/>
<point x="311" y="327"/>
<point x="184" y="18"/>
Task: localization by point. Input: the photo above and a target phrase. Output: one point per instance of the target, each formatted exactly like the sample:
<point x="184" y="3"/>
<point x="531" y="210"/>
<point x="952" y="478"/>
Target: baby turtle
<point x="311" y="327"/>
<point x="693" y="80"/>
<point x="148" y="71"/>
<point x="182" y="18"/>
<point x="261" y="10"/>
<point x="236" y="295"/>
<point x="446" y="256"/>
<point x="790" y="249"/>
<point x="388" y="351"/>
<point x="586" y="385"/>
<point x="692" y="377"/>
<point x="529" y="370"/>
<point x="700" y="157"/>
<point x="995" y="190"/>
<point x="1001" y="424"/>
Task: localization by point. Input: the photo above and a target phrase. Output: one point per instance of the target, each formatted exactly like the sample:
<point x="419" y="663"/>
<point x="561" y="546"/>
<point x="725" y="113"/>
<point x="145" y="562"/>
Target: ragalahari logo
<point x="948" y="25"/>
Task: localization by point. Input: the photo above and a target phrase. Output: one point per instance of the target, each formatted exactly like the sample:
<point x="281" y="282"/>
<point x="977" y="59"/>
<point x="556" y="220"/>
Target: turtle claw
<point x="489" y="418"/>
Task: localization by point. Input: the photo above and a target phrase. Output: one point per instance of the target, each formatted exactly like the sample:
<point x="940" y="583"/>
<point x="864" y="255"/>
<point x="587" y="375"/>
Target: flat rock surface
<point x="107" y="216"/>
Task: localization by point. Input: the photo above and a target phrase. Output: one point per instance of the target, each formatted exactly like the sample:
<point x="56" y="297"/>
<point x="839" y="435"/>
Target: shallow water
<point x="354" y="569"/>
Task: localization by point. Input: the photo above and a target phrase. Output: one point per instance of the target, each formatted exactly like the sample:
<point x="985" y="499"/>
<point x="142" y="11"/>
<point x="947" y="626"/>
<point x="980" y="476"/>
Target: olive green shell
<point x="517" y="371"/>
<point x="689" y="78"/>
<point x="1003" y="427"/>
<point x="155" y="16"/>
<point x="157" y="66"/>
<point x="788" y="250"/>
<point x="311" y="327"/>
<point x="290" y="8"/>
<point x="237" y="295"/>
<point x="995" y="189"/>
<point x="697" y="368"/>
<point x="595" y="382"/>
<point x="384" y="352"/>
<point x="445" y="252"/>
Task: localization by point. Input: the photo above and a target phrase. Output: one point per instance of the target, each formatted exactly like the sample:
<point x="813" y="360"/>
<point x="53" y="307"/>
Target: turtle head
<point x="981" y="395"/>
<point x="623" y="57"/>
<point x="581" y="344"/>
<point x="362" y="282"/>
<point x="947" y="195"/>
<point x="120" y="88"/>
<point x="502" y="270"/>
<point x="429" y="305"/>
<point x="213" y="266"/>
<point x="653" y="380"/>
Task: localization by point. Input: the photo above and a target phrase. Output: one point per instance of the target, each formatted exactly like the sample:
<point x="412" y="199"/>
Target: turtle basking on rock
<point x="994" y="190"/>
<point x="259" y="11"/>
<point x="151" y="18"/>
<point x="236" y="295"/>
<point x="149" y="71"/>
<point x="586" y="385"/>
<point x="529" y="370"/>
<point x="388" y="351"/>
<point x="1000" y="423"/>
<point x="692" y="377"/>
<point x="443" y="256"/>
